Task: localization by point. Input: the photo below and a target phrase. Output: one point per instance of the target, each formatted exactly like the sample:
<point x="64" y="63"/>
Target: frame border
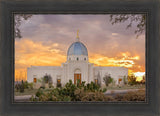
<point x="80" y="102"/>
<point x="77" y="7"/>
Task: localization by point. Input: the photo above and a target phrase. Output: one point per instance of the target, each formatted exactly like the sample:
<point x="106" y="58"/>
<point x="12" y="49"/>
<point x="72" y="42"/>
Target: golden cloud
<point x="122" y="60"/>
<point x="28" y="52"/>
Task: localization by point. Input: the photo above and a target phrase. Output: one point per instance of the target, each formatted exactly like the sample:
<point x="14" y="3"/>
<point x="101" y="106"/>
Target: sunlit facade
<point x="77" y="67"/>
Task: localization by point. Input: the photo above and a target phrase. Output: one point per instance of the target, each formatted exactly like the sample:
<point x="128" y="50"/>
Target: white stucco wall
<point x="115" y="72"/>
<point x="40" y="71"/>
<point x="72" y="66"/>
<point x="66" y="72"/>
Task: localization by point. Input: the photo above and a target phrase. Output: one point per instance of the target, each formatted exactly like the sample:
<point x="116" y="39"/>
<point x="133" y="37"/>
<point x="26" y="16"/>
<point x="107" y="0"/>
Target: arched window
<point x="77" y="58"/>
<point x="84" y="58"/>
<point x="35" y="80"/>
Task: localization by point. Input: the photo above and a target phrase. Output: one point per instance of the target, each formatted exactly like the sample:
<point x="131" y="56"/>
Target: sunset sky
<point x="46" y="39"/>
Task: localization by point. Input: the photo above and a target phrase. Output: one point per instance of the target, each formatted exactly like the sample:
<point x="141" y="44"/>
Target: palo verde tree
<point x="18" y="18"/>
<point x="139" y="19"/>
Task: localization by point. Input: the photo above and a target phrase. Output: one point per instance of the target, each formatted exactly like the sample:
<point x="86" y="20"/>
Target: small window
<point x="96" y="81"/>
<point x="84" y="58"/>
<point x="35" y="80"/>
<point x="119" y="80"/>
<point x="77" y="58"/>
<point x="69" y="58"/>
<point x="58" y="82"/>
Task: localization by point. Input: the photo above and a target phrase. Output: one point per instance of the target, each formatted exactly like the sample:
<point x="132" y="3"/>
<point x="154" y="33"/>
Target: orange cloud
<point x="29" y="53"/>
<point x="122" y="59"/>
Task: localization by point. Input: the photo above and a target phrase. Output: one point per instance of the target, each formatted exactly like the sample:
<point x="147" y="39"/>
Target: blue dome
<point x="77" y="48"/>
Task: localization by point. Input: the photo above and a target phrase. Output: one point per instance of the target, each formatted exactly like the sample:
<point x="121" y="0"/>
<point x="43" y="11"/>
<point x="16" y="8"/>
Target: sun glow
<point x="139" y="75"/>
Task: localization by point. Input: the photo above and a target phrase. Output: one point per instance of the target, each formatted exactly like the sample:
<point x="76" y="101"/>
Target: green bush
<point x="26" y="85"/>
<point x="30" y="86"/>
<point x="22" y="87"/>
<point x="107" y="79"/>
<point x="132" y="80"/>
<point x="72" y="92"/>
<point x="59" y="85"/>
<point x="84" y="92"/>
<point x="17" y="87"/>
<point x="39" y="93"/>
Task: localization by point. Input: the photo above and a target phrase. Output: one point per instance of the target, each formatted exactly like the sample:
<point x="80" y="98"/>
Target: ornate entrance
<point x="76" y="78"/>
<point x="77" y="75"/>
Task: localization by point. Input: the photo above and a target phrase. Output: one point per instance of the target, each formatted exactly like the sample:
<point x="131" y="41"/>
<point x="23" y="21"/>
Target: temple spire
<point x="77" y="35"/>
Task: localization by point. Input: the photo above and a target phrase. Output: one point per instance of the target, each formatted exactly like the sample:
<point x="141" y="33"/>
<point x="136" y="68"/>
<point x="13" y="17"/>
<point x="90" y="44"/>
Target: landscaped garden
<point x="82" y="91"/>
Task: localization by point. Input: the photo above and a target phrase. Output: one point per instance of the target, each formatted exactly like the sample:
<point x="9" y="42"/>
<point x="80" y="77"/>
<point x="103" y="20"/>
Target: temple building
<point x="77" y="67"/>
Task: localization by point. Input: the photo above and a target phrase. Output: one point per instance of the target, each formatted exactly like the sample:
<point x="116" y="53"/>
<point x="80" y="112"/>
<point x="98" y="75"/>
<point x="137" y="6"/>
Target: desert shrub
<point x="30" y="85"/>
<point x="67" y="98"/>
<point x="51" y="86"/>
<point x="39" y="92"/>
<point x="72" y="92"/>
<point x="78" y="82"/>
<point x="135" y="96"/>
<point x="107" y="79"/>
<point x="47" y="79"/>
<point x="59" y="85"/>
<point x="132" y="80"/>
<point x="22" y="87"/>
<point x="26" y="85"/>
<point x="143" y="80"/>
<point x="82" y="95"/>
<point x="109" y="98"/>
<point x="93" y="96"/>
<point x="104" y="90"/>
<point x="17" y="87"/>
<point x="131" y="96"/>
<point x="84" y="92"/>
<point x="118" y="97"/>
<point x="44" y="97"/>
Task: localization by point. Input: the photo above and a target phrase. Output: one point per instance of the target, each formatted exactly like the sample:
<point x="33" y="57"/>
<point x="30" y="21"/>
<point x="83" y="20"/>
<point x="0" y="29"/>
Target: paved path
<point x="114" y="92"/>
<point x="22" y="98"/>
